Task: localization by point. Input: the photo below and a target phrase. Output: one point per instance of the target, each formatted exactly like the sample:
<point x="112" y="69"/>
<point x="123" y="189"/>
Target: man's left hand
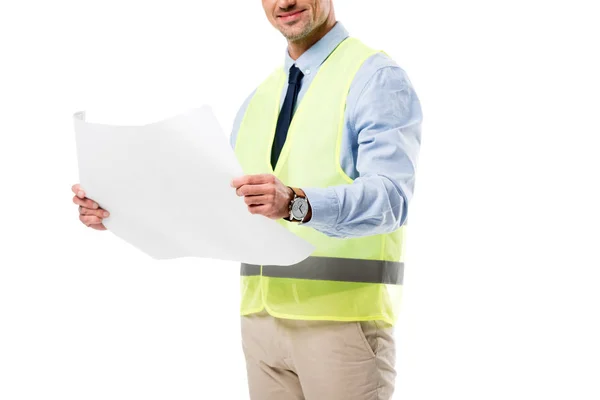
<point x="264" y="194"/>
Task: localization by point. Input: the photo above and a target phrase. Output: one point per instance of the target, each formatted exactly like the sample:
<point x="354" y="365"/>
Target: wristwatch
<point x="298" y="206"/>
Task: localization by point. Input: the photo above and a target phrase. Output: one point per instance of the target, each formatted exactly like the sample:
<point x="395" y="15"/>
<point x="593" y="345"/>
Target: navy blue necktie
<point x="286" y="113"/>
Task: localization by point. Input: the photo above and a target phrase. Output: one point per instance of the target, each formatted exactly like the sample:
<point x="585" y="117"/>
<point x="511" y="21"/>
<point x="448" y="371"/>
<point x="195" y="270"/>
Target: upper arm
<point x="384" y="99"/>
<point x="386" y="120"/>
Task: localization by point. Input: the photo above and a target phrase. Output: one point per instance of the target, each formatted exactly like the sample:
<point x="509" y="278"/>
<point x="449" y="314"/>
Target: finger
<point x="252" y="180"/>
<point x="253" y="190"/>
<point x="100" y="212"/>
<point x="79" y="192"/>
<point x="87" y="203"/>
<point x="90" y="219"/>
<point x="98" y="227"/>
<point x="258" y="200"/>
<point x="264" y="209"/>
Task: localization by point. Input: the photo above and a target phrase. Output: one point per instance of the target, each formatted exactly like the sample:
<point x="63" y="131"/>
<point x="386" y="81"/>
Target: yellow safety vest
<point x="351" y="279"/>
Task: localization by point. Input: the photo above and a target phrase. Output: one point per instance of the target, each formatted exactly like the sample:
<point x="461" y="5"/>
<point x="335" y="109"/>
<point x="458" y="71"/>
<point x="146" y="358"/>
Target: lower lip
<point x="292" y="17"/>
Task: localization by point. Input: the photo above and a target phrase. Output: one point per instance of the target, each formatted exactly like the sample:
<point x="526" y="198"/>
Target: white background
<point x="502" y="278"/>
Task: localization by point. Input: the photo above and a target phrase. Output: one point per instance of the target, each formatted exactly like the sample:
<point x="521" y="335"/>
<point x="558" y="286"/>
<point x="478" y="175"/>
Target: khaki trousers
<point x="318" y="360"/>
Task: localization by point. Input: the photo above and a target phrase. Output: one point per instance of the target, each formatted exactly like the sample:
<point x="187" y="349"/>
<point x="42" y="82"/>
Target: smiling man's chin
<point x="295" y="30"/>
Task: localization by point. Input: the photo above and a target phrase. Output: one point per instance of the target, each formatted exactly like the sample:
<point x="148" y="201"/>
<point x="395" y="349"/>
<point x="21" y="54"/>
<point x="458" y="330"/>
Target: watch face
<point x="299" y="208"/>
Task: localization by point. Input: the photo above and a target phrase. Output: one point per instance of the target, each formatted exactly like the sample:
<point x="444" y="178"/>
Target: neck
<point x="297" y="48"/>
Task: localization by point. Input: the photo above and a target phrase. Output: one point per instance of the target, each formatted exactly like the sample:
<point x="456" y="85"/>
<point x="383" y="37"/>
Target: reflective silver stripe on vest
<point x="334" y="269"/>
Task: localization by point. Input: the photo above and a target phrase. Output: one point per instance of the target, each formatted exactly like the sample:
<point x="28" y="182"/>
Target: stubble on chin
<point x="294" y="34"/>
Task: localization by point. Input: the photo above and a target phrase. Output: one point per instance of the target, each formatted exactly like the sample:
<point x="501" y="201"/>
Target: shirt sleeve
<point x="386" y="123"/>
<point x="238" y="120"/>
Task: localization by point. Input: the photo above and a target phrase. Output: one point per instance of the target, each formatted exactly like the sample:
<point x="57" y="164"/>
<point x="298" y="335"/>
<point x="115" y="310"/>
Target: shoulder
<point x="382" y="90"/>
<point x="272" y="78"/>
<point x="239" y="117"/>
<point x="380" y="70"/>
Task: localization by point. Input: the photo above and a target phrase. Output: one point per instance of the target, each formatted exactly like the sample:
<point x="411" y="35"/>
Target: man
<point x="339" y="174"/>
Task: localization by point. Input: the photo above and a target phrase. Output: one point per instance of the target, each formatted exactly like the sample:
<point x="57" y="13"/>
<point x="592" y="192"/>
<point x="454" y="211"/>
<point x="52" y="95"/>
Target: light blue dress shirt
<point x="380" y="145"/>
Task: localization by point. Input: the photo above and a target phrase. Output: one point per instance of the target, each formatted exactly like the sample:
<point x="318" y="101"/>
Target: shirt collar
<point x="312" y="58"/>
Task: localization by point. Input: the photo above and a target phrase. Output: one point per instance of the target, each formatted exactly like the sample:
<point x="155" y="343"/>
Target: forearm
<point x="370" y="205"/>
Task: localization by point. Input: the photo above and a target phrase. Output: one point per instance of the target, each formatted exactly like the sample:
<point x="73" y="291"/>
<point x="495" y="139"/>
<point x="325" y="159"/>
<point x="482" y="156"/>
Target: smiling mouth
<point x="290" y="16"/>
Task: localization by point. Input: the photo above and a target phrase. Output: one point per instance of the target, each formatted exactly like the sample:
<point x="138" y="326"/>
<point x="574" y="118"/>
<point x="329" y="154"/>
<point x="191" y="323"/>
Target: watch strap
<point x="299" y="192"/>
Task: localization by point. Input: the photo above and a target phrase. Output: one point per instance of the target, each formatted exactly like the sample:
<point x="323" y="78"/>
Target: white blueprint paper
<point x="166" y="186"/>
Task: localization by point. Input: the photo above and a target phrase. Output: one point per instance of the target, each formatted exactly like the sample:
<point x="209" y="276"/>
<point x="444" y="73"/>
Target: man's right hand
<point x="90" y="213"/>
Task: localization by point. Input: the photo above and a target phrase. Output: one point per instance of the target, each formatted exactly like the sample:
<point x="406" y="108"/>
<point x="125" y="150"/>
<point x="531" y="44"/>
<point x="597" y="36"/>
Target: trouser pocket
<point x="367" y="332"/>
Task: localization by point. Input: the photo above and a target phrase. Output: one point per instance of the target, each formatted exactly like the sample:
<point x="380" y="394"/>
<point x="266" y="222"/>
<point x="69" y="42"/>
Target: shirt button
<point x="307" y="72"/>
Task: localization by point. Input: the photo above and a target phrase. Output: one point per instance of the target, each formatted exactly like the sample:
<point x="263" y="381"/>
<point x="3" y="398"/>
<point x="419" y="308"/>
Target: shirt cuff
<point x="325" y="207"/>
